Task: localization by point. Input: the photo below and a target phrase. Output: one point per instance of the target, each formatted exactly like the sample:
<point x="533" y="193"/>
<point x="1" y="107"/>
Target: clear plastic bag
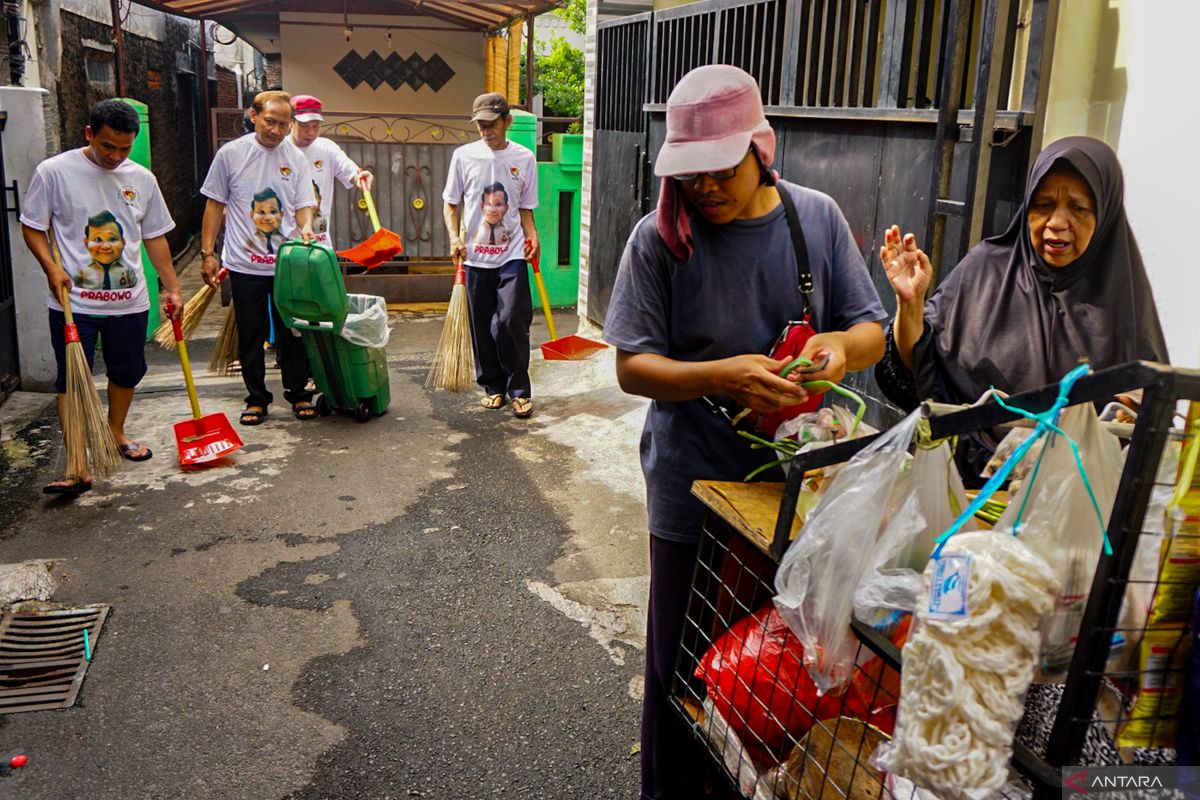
<point x="1054" y="515"/>
<point x="366" y="323"/>
<point x="820" y="570"/>
<point x="934" y="499"/>
<point x="967" y="669"/>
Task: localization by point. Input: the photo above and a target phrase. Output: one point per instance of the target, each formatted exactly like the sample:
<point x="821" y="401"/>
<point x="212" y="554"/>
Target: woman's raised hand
<point x="907" y="267"/>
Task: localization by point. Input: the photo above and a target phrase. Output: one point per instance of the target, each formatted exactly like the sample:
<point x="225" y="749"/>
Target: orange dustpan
<point x="379" y="246"/>
<point x="568" y="348"/>
<point x="200" y="439"/>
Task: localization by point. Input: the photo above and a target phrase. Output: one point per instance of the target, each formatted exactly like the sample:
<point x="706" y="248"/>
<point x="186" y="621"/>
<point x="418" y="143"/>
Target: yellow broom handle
<point x="186" y="363"/>
<point x="371" y="209"/>
<point x="537" y="274"/>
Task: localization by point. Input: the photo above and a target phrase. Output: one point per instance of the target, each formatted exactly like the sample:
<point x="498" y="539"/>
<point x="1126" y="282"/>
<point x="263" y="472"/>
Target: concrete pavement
<point x="442" y="602"/>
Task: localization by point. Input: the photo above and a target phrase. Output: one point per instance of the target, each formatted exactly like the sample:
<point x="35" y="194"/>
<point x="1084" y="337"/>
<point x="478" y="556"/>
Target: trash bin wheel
<point x="323" y="406"/>
<point x="362" y="411"/>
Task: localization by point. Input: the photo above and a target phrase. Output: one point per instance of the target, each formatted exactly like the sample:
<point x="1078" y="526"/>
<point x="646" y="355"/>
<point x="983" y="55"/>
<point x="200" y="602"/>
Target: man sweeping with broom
<point x="495" y="180"/>
<point x="100" y="208"/>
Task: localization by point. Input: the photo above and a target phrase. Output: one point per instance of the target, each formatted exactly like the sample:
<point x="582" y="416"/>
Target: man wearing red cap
<point x="326" y="159"/>
<point x="705" y="284"/>
<point x="496" y="181"/>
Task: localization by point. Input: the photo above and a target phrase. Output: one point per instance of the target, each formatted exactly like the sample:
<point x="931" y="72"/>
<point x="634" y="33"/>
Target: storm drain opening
<point x="44" y="656"/>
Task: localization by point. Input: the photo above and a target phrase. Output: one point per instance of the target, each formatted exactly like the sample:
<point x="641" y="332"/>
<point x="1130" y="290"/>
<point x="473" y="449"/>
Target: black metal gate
<point x="10" y="370"/>
<point x="875" y="102"/>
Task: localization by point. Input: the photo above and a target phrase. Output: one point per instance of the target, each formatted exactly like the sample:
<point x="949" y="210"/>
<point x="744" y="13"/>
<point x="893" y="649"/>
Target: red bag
<point x="788" y="346"/>
<point x="756" y="680"/>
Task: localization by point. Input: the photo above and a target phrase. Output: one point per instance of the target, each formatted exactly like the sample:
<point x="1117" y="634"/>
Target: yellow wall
<point x="310" y="52"/>
<point x="1088" y="82"/>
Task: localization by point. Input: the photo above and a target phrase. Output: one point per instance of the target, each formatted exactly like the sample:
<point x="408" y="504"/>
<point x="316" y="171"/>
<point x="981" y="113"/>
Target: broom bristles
<point x="226" y="348"/>
<point x="453" y="366"/>
<point x="193" y="311"/>
<point x="86" y="432"/>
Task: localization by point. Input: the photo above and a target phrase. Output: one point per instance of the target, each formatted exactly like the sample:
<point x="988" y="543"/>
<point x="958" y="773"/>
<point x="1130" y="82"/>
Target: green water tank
<point x="141" y="155"/>
<point x="557" y="217"/>
<point x="524" y="129"/>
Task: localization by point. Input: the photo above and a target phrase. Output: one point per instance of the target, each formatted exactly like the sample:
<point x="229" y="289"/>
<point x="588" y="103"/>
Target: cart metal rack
<point x="734" y="578"/>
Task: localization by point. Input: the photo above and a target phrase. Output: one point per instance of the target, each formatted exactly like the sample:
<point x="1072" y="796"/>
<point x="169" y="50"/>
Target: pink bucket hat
<point x="714" y="114"/>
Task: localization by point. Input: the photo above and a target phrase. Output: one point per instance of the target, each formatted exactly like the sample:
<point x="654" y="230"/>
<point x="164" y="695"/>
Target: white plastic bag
<point x="968" y="665"/>
<point x="366" y="323"/>
<point x="935" y="499"/>
<point x="820" y="570"/>
<point x="1059" y="522"/>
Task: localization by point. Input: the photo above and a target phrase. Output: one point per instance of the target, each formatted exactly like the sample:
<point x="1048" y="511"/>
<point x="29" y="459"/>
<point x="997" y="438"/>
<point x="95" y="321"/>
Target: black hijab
<point x="1005" y="318"/>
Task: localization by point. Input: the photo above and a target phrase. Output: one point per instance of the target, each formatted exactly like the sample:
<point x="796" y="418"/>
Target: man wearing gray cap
<point x="495" y="181"/>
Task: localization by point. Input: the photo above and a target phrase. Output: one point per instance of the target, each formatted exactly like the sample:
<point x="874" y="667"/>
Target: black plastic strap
<point x="804" y="280"/>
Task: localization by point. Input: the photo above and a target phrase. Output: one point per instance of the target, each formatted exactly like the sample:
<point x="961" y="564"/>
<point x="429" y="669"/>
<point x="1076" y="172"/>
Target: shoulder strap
<point x="803" y="269"/>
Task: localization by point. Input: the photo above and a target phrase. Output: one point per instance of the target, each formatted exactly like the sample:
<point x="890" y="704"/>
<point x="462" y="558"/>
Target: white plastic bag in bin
<point x="366" y="324"/>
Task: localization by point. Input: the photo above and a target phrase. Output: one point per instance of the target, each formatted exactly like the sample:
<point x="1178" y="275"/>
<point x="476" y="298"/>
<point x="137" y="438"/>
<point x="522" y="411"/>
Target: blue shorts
<point x="123" y="339"/>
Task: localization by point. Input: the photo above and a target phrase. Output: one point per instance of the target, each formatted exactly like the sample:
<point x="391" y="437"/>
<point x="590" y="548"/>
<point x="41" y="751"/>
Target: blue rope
<point x="1047" y="423"/>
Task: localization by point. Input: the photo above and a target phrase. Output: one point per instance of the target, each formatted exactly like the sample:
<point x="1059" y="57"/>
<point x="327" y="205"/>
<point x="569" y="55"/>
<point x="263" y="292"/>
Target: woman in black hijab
<point x="1065" y="282"/>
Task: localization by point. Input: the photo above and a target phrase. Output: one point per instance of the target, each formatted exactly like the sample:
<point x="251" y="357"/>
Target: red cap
<point x="307" y="108"/>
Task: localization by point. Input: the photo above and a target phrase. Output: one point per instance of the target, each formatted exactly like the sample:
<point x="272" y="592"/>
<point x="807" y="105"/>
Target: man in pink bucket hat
<point x="706" y="283"/>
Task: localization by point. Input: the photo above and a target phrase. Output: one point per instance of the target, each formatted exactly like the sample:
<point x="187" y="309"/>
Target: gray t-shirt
<point x="732" y="297"/>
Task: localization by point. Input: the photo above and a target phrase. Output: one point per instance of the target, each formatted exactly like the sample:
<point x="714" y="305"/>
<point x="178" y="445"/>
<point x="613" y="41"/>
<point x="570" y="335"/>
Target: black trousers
<point x="671" y="756"/>
<point x="250" y="309"/>
<point x="501" y="313"/>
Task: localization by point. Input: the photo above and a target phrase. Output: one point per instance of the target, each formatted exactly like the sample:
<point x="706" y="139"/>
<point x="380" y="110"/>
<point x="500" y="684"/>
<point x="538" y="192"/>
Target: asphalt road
<point x="444" y="602"/>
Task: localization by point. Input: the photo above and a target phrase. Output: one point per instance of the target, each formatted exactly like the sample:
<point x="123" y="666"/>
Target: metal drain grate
<point x="42" y="661"/>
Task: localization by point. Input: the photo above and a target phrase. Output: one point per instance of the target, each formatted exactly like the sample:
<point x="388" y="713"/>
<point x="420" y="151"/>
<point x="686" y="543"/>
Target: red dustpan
<point x="379" y="246"/>
<point x="568" y="348"/>
<point x="200" y="439"/>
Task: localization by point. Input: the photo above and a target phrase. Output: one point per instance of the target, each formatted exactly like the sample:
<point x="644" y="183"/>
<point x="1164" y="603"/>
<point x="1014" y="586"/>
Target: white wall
<point x="1126" y="71"/>
<point x="142" y="21"/>
<point x="1158" y="133"/>
<point x="24" y="149"/>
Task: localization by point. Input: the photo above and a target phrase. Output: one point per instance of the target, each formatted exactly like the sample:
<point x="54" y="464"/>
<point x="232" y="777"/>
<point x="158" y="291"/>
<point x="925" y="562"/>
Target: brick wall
<point x="274" y="64"/>
<point x="177" y="149"/>
<point x="229" y="126"/>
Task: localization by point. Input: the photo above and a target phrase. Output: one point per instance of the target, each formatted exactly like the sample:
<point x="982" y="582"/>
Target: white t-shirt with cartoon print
<point x="491" y="186"/>
<point x="327" y="160"/>
<point x="99" y="218"/>
<point x="262" y="188"/>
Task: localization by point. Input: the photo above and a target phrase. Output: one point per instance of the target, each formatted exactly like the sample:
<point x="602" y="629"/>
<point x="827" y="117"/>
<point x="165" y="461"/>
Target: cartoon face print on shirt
<point x="319" y="223"/>
<point x="266" y="213"/>
<point x="105" y="240"/>
<point x="494" y="203"/>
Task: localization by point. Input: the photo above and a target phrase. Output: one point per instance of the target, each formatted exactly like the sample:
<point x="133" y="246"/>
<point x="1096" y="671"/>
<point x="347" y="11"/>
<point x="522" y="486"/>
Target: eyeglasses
<point x="719" y="175"/>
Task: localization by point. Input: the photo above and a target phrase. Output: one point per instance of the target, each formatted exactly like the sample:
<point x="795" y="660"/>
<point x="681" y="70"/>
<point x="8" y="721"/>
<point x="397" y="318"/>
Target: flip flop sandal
<point x="252" y="416"/>
<point x="74" y="489"/>
<point x="492" y="401"/>
<point x="129" y="448"/>
<point x="304" y="410"/>
<point x="522" y="407"/>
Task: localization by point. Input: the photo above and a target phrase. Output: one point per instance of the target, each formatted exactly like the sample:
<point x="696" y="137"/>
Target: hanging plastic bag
<point x="968" y="664"/>
<point x="936" y="498"/>
<point x="820" y="570"/>
<point x="818" y="429"/>
<point x="1063" y="516"/>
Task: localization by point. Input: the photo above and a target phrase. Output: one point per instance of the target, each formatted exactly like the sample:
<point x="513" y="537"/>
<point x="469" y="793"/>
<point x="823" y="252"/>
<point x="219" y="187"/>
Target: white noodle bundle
<point x="963" y="684"/>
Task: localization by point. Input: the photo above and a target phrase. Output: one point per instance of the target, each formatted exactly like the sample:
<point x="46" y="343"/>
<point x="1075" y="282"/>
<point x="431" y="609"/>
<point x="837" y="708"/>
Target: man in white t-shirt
<point x="326" y="159"/>
<point x="101" y="208"/>
<point x="261" y="186"/>
<point x="495" y="181"/>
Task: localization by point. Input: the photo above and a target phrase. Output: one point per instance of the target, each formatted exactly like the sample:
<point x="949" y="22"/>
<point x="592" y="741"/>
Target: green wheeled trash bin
<point x="344" y="335"/>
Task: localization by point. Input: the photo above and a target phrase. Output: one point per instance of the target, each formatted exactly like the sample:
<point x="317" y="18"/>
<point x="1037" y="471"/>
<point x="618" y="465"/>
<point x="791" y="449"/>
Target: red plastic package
<point x="756" y="679"/>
